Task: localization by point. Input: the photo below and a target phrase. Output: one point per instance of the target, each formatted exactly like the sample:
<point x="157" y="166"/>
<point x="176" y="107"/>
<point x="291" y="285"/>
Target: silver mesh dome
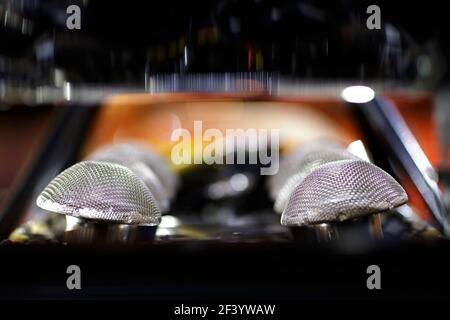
<point x="149" y="166"/>
<point x="298" y="165"/>
<point x="101" y="191"/>
<point x="153" y="183"/>
<point x="342" y="190"/>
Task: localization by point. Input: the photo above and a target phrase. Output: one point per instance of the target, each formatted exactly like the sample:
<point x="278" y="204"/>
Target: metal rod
<point x="387" y="122"/>
<point x="376" y="227"/>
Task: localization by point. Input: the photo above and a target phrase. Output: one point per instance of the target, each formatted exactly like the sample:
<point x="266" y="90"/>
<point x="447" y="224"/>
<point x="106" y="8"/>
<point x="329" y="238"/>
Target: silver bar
<point x="388" y="123"/>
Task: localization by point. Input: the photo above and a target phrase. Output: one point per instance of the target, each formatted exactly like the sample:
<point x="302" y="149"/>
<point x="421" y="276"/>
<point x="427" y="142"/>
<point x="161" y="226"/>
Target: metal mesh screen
<point x="299" y="164"/>
<point x="136" y="156"/>
<point x="342" y="190"/>
<point x="101" y="191"/>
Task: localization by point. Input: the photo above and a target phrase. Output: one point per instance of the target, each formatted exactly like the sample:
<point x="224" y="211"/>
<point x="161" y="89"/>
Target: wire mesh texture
<point x="101" y="191"/>
<point x="148" y="165"/>
<point x="296" y="166"/>
<point x="342" y="190"/>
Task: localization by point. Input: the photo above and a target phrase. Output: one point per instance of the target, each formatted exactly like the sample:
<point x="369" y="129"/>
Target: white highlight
<point x="67" y="91"/>
<point x="357" y="148"/>
<point x="239" y="182"/>
<point x="168" y="221"/>
<point x="358" y="94"/>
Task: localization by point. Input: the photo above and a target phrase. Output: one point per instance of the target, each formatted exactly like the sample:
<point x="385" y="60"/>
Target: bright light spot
<point x="72" y="223"/>
<point x="239" y="182"/>
<point x="169" y="222"/>
<point x="357" y="148"/>
<point x="67" y="91"/>
<point x="358" y="94"/>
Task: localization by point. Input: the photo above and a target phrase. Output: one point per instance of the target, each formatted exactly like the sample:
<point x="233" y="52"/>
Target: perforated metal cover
<point x="101" y="191"/>
<point x="342" y="190"/>
<point x="153" y="183"/>
<point x="298" y="165"/>
<point x="137" y="156"/>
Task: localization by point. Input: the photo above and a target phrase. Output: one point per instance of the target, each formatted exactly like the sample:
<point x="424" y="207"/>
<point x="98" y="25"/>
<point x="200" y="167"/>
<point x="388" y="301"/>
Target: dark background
<point x="121" y="41"/>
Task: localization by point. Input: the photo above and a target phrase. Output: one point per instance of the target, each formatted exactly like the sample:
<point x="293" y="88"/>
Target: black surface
<point x="214" y="271"/>
<point x="118" y="40"/>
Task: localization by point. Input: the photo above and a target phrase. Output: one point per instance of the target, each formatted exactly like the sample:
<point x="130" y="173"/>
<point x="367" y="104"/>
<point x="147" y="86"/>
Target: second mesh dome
<point x="148" y="165"/>
<point x="296" y="166"/>
<point x="340" y="191"/>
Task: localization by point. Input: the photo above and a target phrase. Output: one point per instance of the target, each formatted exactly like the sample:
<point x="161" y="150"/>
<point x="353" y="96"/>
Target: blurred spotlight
<point x="358" y="94"/>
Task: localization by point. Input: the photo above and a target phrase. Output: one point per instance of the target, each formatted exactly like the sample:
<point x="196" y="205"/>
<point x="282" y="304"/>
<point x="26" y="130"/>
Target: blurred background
<point x="312" y="40"/>
<point x="137" y="70"/>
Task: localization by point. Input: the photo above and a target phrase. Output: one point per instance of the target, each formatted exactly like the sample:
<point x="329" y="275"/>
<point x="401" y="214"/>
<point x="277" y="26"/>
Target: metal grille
<point x="101" y="191"/>
<point x="149" y="166"/>
<point x="299" y="164"/>
<point x="342" y="190"/>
